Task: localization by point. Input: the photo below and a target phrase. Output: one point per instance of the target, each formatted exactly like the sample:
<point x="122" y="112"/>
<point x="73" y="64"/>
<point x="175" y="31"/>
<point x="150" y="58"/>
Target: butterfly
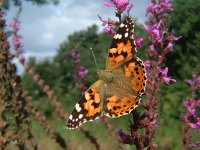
<point x="120" y="86"/>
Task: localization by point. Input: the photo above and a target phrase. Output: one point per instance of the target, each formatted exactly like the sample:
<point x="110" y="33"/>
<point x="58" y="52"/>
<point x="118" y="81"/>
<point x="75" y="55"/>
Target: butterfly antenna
<point x="95" y="61"/>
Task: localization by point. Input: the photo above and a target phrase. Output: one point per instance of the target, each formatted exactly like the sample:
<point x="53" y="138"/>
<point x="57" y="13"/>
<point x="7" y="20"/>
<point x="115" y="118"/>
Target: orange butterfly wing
<point x="123" y="47"/>
<point x="88" y="108"/>
<point x="129" y="79"/>
<point x="124" y="94"/>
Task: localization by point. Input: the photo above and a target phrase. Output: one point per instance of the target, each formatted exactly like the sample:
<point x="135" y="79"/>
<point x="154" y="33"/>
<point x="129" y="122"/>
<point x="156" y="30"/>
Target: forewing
<point x="125" y="92"/>
<point x="123" y="46"/>
<point x="87" y="109"/>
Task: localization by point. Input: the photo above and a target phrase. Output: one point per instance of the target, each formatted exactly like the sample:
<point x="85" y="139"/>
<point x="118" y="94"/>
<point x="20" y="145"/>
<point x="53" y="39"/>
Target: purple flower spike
<point x="80" y="72"/>
<point x="16" y="38"/>
<point x="191" y="118"/>
<point x="160" y="7"/>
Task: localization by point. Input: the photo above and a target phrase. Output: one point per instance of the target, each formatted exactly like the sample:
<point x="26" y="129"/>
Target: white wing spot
<point x="80" y="116"/>
<point x="126" y="34"/>
<point x="132" y="37"/>
<point x="77" y="105"/>
<point x="70" y="117"/>
<point x="122" y="25"/>
<point x="78" y="108"/>
<point x="117" y="36"/>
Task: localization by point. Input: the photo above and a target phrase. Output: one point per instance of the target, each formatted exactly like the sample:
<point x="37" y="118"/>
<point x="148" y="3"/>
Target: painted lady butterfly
<point x="120" y="86"/>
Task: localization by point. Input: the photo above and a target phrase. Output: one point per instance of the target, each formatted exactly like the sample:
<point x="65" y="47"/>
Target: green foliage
<point x="186" y="52"/>
<point x="169" y="132"/>
<point x="83" y="41"/>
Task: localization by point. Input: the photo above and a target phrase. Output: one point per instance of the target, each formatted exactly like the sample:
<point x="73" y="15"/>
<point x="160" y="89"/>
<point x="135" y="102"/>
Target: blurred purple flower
<point x="151" y="48"/>
<point x="195" y="125"/>
<point x="169" y="47"/>
<point x="189" y="81"/>
<point x="82" y="71"/>
<point x="15" y="24"/>
<point x="16" y="38"/>
<point x="191" y="118"/>
<point x="173" y="38"/>
<point x="197" y="144"/>
<point x="125" y="138"/>
<point x="165" y="78"/>
<point x="109" y="30"/>
<point x="109" y="25"/>
<point x="195" y="82"/>
<point x="159" y="7"/>
<point x="74" y="54"/>
<point x="147" y="64"/>
<point x="120" y="5"/>
<point x="166" y="4"/>
<point x="138" y="40"/>
<point x="155" y="32"/>
<point x="104" y="22"/>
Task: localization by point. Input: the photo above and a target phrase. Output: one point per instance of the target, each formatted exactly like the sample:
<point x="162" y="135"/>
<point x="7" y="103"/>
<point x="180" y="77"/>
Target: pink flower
<point x="109" y="25"/>
<point x="16" y="38"/>
<point x="159" y="7"/>
<point x="166" y="4"/>
<point x="152" y="49"/>
<point x="197" y="144"/>
<point x="154" y="9"/>
<point x="154" y="31"/>
<point x="173" y="38"/>
<point x="15" y="24"/>
<point x="104" y="22"/>
<point x="121" y="5"/>
<point x="147" y="64"/>
<point x="82" y="71"/>
<point x="168" y="48"/>
<point x="165" y="78"/>
<point x="125" y="138"/>
<point x="138" y="41"/>
<point x="109" y="30"/>
<point x="195" y="82"/>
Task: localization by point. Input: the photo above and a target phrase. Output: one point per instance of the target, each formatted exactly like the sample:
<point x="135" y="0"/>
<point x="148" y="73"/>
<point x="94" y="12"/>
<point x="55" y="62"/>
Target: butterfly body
<point x="105" y="75"/>
<point x="120" y="86"/>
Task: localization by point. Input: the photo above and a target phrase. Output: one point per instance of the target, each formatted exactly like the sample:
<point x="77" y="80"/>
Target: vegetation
<point x="58" y="75"/>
